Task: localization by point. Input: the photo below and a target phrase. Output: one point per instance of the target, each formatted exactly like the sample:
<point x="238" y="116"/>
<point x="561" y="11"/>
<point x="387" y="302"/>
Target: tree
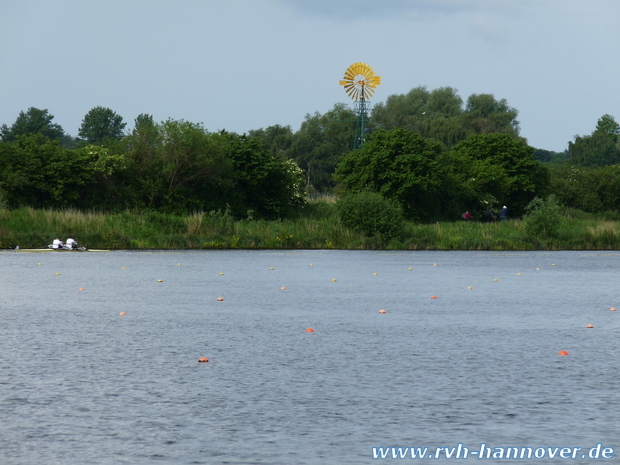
<point x="444" y="102"/>
<point x="372" y="214"/>
<point x="400" y="165"/>
<point x="267" y="184"/>
<point x="548" y="156"/>
<point x="484" y="115"/>
<point x="500" y="166"/>
<point x="593" y="189"/>
<point x="405" y="111"/>
<point x="33" y="121"/>
<point x="276" y="139"/>
<point x="601" y="148"/>
<point x="320" y="143"/>
<point x="608" y="125"/>
<point x="194" y="165"/>
<point x="100" y="126"/>
<point x="178" y="166"/>
<point x="544" y="217"/>
<point x="439" y="114"/>
<point x="472" y="184"/>
<point x="42" y="174"/>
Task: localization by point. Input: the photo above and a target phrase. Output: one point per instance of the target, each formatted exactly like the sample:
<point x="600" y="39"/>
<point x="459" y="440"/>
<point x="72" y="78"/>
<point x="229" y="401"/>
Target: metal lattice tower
<point x="360" y="83"/>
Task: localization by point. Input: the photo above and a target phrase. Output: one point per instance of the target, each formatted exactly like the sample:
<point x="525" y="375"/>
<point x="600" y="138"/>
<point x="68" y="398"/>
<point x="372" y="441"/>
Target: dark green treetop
<point x="33" y="121"/>
<point x="100" y="126"/>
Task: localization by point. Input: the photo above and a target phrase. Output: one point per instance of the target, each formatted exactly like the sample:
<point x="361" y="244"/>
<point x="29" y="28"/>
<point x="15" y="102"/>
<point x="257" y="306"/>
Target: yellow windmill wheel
<point x="360" y="81"/>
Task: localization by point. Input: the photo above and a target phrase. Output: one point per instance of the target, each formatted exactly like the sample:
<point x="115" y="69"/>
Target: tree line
<point x="173" y="166"/>
<point x="430" y="151"/>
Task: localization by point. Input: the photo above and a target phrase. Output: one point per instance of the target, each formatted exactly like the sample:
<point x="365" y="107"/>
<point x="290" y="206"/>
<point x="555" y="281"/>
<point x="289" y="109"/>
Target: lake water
<point x="80" y="384"/>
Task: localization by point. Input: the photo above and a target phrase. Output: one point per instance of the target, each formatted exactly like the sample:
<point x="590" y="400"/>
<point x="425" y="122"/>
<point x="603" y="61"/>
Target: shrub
<point x="371" y="214"/>
<point x="543" y="217"/>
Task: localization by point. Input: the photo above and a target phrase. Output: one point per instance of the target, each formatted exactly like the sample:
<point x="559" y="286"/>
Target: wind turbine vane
<point x="360" y="82"/>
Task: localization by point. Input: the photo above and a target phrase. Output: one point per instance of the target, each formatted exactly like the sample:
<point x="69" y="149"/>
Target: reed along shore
<point x="316" y="227"/>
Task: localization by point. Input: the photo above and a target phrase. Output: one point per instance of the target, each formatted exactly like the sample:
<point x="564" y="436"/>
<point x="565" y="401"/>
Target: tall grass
<point x="317" y="227"/>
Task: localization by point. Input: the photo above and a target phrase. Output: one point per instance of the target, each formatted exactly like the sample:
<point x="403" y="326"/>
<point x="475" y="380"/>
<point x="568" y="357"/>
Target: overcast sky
<point x="249" y="64"/>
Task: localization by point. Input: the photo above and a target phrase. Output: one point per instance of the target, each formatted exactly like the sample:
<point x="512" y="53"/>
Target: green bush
<point x="371" y="214"/>
<point x="543" y="217"/>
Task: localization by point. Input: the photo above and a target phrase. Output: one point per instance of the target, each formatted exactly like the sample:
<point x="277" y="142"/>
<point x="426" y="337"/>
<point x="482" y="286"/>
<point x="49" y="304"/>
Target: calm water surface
<point x="80" y="384"/>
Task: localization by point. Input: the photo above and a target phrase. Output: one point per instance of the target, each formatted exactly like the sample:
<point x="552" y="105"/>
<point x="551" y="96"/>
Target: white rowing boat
<point x="79" y="249"/>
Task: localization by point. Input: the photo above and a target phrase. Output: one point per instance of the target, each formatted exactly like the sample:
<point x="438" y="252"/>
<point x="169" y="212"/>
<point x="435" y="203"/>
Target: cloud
<point x="377" y="9"/>
<point x="351" y="9"/>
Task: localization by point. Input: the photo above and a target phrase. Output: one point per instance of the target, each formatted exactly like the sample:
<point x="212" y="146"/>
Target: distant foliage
<point x="320" y="144"/>
<point x="498" y="166"/>
<point x="400" y="165"/>
<point x="591" y="189"/>
<point x="33" y="121"/>
<point x="484" y="171"/>
<point x="543" y="218"/>
<point x="601" y="148"/>
<point x="372" y="214"/>
<point x="172" y="167"/>
<point x="100" y="126"/>
<point x="439" y="114"/>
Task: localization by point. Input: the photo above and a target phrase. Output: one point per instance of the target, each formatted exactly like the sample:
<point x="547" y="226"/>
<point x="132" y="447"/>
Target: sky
<point x="240" y="65"/>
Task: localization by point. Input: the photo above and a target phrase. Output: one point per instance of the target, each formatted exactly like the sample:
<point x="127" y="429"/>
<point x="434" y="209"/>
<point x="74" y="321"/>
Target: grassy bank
<point x="317" y="228"/>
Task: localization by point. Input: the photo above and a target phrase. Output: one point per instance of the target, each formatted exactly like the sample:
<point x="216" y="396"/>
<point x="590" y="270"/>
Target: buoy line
<point x="290" y="253"/>
<point x="602" y="255"/>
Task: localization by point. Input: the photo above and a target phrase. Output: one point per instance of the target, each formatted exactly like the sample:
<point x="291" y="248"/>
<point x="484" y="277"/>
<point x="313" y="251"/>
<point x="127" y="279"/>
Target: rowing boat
<point x="80" y="249"/>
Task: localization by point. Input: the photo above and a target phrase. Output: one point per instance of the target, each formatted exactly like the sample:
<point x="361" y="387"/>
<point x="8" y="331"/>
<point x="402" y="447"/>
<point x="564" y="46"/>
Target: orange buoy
<point x="203" y="360"/>
<point x="160" y="280"/>
<point x="309" y="330"/>
<point x="81" y="289"/>
<point x="433" y="297"/>
<point x="495" y="280"/>
<point x="283" y="288"/>
<point x="612" y="309"/>
<point x="376" y="274"/>
<point x="562" y="352"/>
<point x="334" y="280"/>
<point x="220" y="299"/>
<point x="589" y="325"/>
<point x="382" y="311"/>
<point x="123" y="313"/>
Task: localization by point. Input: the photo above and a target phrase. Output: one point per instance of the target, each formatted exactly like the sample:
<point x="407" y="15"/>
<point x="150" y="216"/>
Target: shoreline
<point x="319" y="228"/>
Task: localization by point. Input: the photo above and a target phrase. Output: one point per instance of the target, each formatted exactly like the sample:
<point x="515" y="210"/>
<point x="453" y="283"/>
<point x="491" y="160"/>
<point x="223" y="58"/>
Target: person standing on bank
<point x="489" y="216"/>
<point x="466" y="216"/>
<point x="503" y="213"/>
